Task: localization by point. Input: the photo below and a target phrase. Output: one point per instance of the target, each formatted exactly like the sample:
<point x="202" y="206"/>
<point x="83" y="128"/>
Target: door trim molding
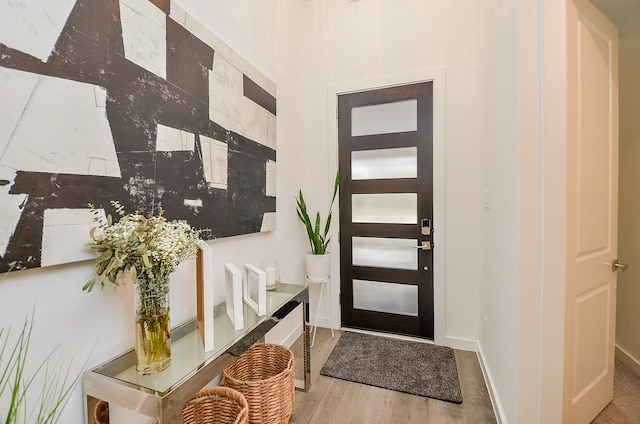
<point x="437" y="75"/>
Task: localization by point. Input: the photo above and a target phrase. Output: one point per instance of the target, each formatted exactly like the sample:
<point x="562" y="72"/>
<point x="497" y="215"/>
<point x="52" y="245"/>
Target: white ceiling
<point x="618" y="11"/>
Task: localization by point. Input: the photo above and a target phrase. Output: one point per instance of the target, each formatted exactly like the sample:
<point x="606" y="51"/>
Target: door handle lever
<point x="425" y="245"/>
<point x="617" y="266"/>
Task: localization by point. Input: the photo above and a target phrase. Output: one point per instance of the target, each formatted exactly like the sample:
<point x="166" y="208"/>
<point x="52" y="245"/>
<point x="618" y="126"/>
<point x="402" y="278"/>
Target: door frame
<point x="437" y="75"/>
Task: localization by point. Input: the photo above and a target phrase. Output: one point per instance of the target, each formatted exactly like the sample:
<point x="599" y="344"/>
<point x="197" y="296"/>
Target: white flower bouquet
<point x="148" y="249"/>
<point x="142" y="246"/>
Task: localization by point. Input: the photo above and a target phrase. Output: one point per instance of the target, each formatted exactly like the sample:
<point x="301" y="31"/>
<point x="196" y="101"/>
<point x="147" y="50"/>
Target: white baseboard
<point x="495" y="401"/>
<point x="459" y="343"/>
<point x="628" y="359"/>
<point x="323" y="322"/>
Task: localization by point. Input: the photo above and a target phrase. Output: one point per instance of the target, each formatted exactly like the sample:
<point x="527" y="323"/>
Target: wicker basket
<point x="101" y="413"/>
<point x="216" y="405"/>
<point x="264" y="374"/>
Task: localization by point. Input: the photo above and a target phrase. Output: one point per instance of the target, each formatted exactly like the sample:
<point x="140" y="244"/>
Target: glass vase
<point x="153" y="330"/>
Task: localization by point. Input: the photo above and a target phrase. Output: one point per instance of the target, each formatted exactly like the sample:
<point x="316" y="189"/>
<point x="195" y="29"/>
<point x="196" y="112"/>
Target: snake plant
<point x="319" y="240"/>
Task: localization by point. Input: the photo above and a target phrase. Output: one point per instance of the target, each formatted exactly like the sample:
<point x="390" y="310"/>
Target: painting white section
<point x="172" y="139"/>
<point x="100" y="96"/>
<point x="179" y="15"/>
<point x="268" y="222"/>
<point x="270" y="189"/>
<point x="215" y="160"/>
<point x="65" y="234"/>
<point x="144" y="35"/>
<point x="16" y="88"/>
<point x="194" y="204"/>
<point x="33" y="26"/>
<point x="255" y="122"/>
<point x="62" y="128"/>
<point x="194" y="26"/>
<point x="10" y="210"/>
<point x="225" y="95"/>
<point x="230" y="108"/>
<point x="271" y="130"/>
<point x="9" y="216"/>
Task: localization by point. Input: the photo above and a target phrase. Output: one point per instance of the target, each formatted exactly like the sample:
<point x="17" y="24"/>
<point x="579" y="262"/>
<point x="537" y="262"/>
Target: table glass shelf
<point x="188" y="357"/>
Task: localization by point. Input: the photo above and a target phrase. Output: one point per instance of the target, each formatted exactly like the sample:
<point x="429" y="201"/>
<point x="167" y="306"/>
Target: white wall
<point x="346" y="42"/>
<point x="628" y="310"/>
<point x="500" y="311"/>
<point x="98" y="325"/>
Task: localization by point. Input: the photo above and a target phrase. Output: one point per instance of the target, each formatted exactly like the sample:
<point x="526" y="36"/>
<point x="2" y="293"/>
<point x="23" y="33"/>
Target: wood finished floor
<point x="333" y="401"/>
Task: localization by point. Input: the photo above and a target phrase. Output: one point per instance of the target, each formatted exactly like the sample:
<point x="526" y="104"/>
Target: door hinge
<point x="339" y="298"/>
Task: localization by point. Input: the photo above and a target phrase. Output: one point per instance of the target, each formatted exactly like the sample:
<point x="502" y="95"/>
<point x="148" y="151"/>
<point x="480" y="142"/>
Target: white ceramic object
<point x="318" y="266"/>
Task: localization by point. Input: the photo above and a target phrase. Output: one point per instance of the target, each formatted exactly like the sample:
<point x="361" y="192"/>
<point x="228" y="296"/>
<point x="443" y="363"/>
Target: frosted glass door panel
<point x="384" y="163"/>
<point x="385" y="208"/>
<point x="385" y="297"/>
<point x="385" y="252"/>
<point x="385" y="118"/>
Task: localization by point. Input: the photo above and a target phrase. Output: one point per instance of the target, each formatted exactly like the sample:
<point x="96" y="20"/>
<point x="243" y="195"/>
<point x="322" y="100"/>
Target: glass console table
<point x="163" y="395"/>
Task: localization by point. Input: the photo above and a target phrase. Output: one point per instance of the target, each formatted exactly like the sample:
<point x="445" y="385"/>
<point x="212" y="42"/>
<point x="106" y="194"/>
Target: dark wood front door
<point x="385" y="139"/>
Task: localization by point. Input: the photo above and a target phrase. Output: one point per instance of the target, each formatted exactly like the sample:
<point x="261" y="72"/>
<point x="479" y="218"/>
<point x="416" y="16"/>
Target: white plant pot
<point x="318" y="266"/>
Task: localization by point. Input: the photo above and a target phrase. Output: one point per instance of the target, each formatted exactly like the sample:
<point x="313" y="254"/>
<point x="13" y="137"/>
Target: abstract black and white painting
<point x="129" y="100"/>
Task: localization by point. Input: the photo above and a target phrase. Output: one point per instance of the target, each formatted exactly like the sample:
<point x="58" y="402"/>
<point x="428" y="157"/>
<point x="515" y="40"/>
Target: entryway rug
<point x="405" y="366"/>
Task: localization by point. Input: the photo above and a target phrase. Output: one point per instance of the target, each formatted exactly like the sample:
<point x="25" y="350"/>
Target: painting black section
<point x="258" y="94"/>
<point x="164" y="5"/>
<point x="141" y="100"/>
<point x="82" y="52"/>
<point x="15" y="59"/>
<point x="246" y="184"/>
<point x="90" y="50"/>
<point x="188" y="61"/>
<point x="50" y="191"/>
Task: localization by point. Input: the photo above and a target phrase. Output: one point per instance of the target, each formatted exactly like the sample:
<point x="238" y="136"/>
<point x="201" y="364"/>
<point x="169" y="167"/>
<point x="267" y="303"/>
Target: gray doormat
<point x="405" y="366"/>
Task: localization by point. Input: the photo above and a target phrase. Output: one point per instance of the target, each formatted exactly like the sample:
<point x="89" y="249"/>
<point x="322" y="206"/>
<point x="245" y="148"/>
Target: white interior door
<point x="592" y="195"/>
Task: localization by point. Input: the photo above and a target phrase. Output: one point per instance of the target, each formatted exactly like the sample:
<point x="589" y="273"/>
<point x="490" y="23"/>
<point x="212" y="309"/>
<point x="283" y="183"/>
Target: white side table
<point x="322" y="283"/>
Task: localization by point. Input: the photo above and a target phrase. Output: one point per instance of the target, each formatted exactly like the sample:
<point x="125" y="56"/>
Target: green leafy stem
<point x="56" y="386"/>
<point x="318" y="240"/>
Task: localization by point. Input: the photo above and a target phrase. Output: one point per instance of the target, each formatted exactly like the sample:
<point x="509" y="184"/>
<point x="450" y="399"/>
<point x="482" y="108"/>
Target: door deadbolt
<point x="425" y="227"/>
